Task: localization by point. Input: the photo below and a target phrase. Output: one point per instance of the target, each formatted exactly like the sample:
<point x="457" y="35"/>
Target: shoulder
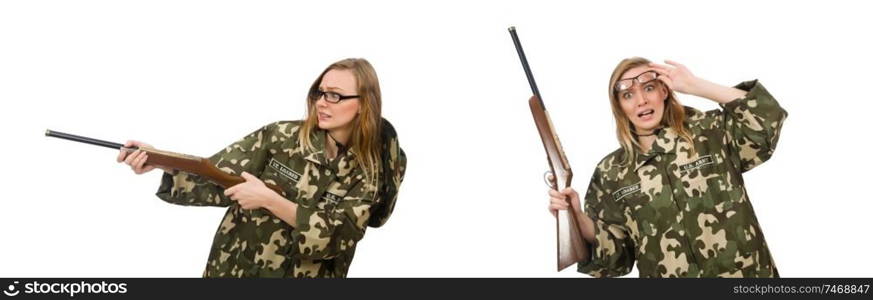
<point x="391" y="151"/>
<point x="388" y="130"/>
<point x="611" y="165"/>
<point x="693" y="115"/>
<point x="287" y="129"/>
<point x="697" y="120"/>
<point x="614" y="159"/>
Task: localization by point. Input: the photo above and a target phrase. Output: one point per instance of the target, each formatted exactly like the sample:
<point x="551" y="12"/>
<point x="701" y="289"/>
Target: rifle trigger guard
<point x="551" y="183"/>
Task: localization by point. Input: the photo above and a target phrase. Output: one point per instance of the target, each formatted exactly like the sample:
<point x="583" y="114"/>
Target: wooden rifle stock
<point x="177" y="161"/>
<point x="571" y="246"/>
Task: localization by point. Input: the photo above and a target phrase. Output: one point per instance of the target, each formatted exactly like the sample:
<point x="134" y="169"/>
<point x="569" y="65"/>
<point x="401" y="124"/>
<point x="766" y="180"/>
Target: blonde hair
<point x="365" y="139"/>
<point x="674" y="112"/>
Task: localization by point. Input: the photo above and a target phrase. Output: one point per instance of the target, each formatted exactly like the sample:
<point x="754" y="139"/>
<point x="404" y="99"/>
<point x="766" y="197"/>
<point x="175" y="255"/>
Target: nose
<point x="642" y="98"/>
<point x="320" y="102"/>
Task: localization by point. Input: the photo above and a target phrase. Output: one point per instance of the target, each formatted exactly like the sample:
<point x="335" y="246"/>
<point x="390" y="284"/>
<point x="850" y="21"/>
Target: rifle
<point x="177" y="161"/>
<point x="571" y="246"/>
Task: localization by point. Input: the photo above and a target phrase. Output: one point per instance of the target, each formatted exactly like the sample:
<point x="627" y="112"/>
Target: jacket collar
<point x="317" y="153"/>
<point x="666" y="142"/>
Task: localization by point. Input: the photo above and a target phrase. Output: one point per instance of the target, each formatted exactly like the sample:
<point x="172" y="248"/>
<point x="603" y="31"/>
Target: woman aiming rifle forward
<point x="339" y="171"/>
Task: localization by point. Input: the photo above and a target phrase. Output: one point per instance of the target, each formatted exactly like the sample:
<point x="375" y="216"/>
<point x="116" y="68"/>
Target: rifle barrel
<point x="82" y="139"/>
<point x="524" y="64"/>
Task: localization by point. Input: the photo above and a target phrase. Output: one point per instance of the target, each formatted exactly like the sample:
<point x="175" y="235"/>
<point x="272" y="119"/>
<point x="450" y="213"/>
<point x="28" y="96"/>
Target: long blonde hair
<point x="365" y="139"/>
<point x="674" y="112"/>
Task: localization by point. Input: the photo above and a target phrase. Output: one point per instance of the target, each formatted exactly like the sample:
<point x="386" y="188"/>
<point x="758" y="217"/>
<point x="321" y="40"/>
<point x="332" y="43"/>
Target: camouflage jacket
<point x="335" y="204"/>
<point x="684" y="213"/>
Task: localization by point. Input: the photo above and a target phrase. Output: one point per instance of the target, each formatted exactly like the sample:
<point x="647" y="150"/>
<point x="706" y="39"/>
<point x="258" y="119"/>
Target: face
<point x="643" y="104"/>
<point x="333" y="116"/>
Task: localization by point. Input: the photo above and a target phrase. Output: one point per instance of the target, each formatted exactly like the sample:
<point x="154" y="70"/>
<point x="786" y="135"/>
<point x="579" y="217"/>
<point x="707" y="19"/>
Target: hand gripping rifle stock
<point x="177" y="161"/>
<point x="571" y="246"/>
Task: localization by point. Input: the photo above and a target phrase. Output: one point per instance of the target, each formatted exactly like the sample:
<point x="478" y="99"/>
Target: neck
<point x="340" y="135"/>
<point x="646" y="142"/>
<point x="647" y="138"/>
<point x="335" y="136"/>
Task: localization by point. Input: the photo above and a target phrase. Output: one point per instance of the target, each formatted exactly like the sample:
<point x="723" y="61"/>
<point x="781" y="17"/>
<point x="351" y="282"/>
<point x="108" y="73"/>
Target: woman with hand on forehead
<point x="339" y="170"/>
<point x="672" y="197"/>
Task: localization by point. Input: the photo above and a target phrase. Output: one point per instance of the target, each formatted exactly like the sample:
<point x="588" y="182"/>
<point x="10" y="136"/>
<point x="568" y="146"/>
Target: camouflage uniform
<point x="335" y="204"/>
<point x="680" y="213"/>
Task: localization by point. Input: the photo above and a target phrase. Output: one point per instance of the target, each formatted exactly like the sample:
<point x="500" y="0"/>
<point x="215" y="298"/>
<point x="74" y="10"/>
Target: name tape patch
<point x="284" y="170"/>
<point x="623" y="192"/>
<point x="331" y="198"/>
<point x="697" y="164"/>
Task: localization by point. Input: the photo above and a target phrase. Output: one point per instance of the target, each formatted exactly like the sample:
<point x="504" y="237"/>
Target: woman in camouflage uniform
<point x="339" y="170"/>
<point x="672" y="197"/>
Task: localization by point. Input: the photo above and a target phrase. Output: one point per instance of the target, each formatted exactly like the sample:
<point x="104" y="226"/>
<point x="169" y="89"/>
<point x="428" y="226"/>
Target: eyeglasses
<point x="332" y="97"/>
<point x="643" y="78"/>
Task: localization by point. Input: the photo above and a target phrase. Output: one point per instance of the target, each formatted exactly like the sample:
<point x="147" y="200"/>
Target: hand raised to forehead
<point x="676" y="76"/>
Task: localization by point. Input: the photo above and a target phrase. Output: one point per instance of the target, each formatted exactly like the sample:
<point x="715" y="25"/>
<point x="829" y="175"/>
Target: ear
<point x="666" y="92"/>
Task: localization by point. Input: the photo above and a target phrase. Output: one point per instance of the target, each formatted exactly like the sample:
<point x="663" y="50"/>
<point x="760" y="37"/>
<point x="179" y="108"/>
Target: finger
<point x="122" y="153"/>
<point x="568" y="191"/>
<point x="248" y="177"/>
<point x="148" y="168"/>
<point x="662" y="71"/>
<point x="660" y="66"/>
<point x="125" y="153"/>
<point x="135" y="143"/>
<point x="242" y="203"/>
<point x="130" y="157"/>
<point x="141" y="161"/>
<point x="135" y="164"/>
<point x="558" y="207"/>
<point x="667" y="80"/>
<point x="555" y="193"/>
<point x="132" y="144"/>
<point x="230" y="191"/>
<point x="673" y="63"/>
<point x="559" y="201"/>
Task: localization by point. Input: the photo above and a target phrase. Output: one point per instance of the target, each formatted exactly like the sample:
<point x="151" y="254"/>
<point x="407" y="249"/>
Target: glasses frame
<point x="637" y="79"/>
<point x="340" y="97"/>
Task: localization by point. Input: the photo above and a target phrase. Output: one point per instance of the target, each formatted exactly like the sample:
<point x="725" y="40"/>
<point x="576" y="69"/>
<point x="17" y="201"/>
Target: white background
<point x="194" y="76"/>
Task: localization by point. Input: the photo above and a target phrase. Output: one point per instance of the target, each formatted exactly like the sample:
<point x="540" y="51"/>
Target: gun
<point x="571" y="246"/>
<point x="177" y="161"/>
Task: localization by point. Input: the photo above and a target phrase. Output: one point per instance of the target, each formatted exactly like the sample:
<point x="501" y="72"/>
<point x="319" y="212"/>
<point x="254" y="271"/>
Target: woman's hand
<point x="252" y="194"/>
<point x="559" y="200"/>
<point x="678" y="78"/>
<point x="137" y="159"/>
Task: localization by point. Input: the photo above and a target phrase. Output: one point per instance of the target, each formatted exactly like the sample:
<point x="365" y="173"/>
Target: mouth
<point x="646" y="113"/>
<point x="323" y="116"/>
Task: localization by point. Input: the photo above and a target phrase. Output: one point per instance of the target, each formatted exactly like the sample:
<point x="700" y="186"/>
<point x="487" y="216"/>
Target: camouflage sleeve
<point x="393" y="171"/>
<point x="248" y="154"/>
<point x="612" y="253"/>
<point x="322" y="233"/>
<point x="752" y="124"/>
